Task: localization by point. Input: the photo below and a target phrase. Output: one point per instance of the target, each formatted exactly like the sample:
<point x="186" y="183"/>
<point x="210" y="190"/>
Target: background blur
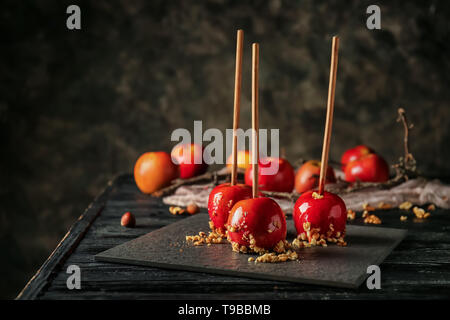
<point x="78" y="107"/>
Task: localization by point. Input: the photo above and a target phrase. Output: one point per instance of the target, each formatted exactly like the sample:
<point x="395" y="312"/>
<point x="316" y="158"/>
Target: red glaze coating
<point x="222" y="199"/>
<point x="320" y="213"/>
<point x="307" y="176"/>
<point x="282" y="181"/>
<point x="260" y="217"/>
<point x="354" y="154"/>
<point x="370" y="168"/>
<point x="185" y="160"/>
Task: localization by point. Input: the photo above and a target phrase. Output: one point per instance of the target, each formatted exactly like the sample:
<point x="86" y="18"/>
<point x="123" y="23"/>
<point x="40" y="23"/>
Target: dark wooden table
<point x="419" y="268"/>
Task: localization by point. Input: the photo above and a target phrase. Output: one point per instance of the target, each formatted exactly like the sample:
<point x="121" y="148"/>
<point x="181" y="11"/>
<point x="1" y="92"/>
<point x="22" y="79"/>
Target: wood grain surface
<point x="419" y="268"/>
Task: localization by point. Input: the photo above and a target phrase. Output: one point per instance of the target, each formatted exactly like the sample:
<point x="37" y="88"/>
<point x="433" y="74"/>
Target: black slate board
<point x="331" y="266"/>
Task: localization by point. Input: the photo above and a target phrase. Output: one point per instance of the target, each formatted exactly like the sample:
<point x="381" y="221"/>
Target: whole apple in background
<point x="354" y="154"/>
<point x="307" y="176"/>
<point x="369" y="168"/>
<point x="222" y="199"/>
<point x="243" y="159"/>
<point x="282" y="181"/>
<point x="259" y="218"/>
<point x="185" y="156"/>
<point x="154" y="170"/>
<point x="320" y="212"/>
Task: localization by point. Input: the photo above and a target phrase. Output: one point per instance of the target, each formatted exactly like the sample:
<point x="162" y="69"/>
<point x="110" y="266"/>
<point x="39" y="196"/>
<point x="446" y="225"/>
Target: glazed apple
<point x="325" y="213"/>
<point x="243" y="159"/>
<point x="221" y="200"/>
<point x="154" y="170"/>
<point x="369" y="168"/>
<point x="257" y="223"/>
<point x="184" y="156"/>
<point x="354" y="154"/>
<point x="282" y="181"/>
<point x="307" y="176"/>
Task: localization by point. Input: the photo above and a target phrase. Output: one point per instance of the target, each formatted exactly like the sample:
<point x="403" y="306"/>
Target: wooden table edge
<point x="69" y="242"/>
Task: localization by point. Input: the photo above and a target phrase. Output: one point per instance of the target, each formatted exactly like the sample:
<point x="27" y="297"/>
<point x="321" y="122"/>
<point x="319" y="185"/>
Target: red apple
<point x="281" y="181"/>
<point x="354" y="154"/>
<point x="369" y="168"/>
<point x="257" y="223"/>
<point x="325" y="212"/>
<point x="184" y="156"/>
<point x="307" y="177"/>
<point x="222" y="199"/>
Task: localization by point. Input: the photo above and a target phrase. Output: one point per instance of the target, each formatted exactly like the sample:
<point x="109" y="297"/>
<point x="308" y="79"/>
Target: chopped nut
<point x="384" y="206"/>
<point x="365" y="214"/>
<point x="431" y="207"/>
<point x="420" y="213"/>
<point x="405" y="205"/>
<point x="274" y="258"/>
<point x="316" y="195"/>
<point x="403" y="218"/>
<point x="251" y="259"/>
<point x="351" y="215"/>
<point x="176" y="210"/>
<point x="367" y="207"/>
<point x="372" y="219"/>
<point x="306" y="226"/>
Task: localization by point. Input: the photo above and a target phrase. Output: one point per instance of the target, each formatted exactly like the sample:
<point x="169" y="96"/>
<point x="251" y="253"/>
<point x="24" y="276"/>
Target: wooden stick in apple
<point x="255" y="122"/>
<point x="256" y="224"/>
<point x="323" y="214"/>
<point x="237" y="101"/>
<point x="330" y="109"/>
<point x="223" y="197"/>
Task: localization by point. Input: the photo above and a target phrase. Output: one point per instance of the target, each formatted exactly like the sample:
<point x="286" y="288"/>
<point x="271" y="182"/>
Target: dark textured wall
<point x="77" y="107"/>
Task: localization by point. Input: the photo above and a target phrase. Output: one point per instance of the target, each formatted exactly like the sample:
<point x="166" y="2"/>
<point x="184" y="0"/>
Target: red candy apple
<point x="369" y="168"/>
<point x="307" y="177"/>
<point x="184" y="156"/>
<point x="257" y="223"/>
<point x="222" y="199"/>
<point x="325" y="212"/>
<point x="281" y="181"/>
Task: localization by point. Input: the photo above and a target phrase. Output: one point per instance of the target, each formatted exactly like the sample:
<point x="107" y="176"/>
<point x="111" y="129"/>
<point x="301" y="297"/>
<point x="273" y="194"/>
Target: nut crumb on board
<point x="273" y="257"/>
<point x="403" y="218"/>
<point x="202" y="238"/>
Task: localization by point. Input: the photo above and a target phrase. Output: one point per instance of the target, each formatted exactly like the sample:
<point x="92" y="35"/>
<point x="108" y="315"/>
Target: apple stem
<point x="330" y="109"/>
<point x="255" y="120"/>
<point x="237" y="101"/>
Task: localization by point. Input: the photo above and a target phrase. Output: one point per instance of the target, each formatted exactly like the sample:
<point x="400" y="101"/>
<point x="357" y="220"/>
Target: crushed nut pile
<point x="202" y="238"/>
<point x="313" y="237"/>
<point x="272" y="257"/>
